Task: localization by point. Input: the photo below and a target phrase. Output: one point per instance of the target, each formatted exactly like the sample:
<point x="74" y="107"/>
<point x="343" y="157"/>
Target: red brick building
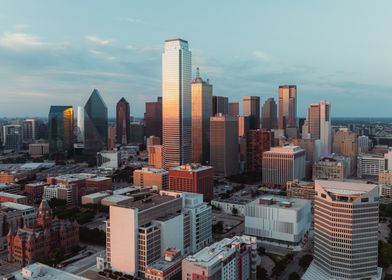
<point x="34" y="191"/>
<point x="194" y="178"/>
<point x="257" y="142"/>
<point x="29" y="245"/>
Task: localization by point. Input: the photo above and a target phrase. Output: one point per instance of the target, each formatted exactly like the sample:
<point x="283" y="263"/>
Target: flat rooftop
<point x="345" y="187"/>
<point x="285" y="149"/>
<point x="11" y="195"/>
<point x="99" y="178"/>
<point x="117" y="198"/>
<point x="41" y="271"/>
<point x="280" y="202"/>
<point x="194" y="167"/>
<point x="151" y="201"/>
<point x="163" y="265"/>
<point x="152" y="170"/>
<point x="16" y="206"/>
<point x="97" y="195"/>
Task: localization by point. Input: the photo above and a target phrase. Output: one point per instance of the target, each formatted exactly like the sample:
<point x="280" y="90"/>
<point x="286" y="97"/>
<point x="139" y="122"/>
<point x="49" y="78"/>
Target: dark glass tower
<point x="95" y="124"/>
<point x="122" y="122"/>
<point x="60" y="127"/>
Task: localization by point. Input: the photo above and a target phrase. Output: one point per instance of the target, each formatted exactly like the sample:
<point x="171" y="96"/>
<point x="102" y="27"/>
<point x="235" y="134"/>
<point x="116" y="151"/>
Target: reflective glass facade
<point x="60" y="127"/>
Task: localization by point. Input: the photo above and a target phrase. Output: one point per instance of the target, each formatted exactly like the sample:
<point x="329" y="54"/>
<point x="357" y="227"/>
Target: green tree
<point x="261" y="273"/>
<point x="294" y="276"/>
<point x="305" y="261"/>
<point x="234" y="211"/>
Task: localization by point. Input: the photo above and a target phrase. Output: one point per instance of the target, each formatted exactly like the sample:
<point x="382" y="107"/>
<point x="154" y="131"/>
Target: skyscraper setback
<point x="287" y="106"/>
<point x="252" y="109"/>
<point x="122" y="122"/>
<point x="176" y="106"/>
<point x="201" y="113"/>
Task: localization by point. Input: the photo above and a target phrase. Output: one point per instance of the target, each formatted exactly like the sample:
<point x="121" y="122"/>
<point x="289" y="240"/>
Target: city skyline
<point x="120" y="55"/>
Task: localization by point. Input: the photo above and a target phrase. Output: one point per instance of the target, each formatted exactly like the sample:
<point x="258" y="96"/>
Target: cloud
<point x="98" y="41"/>
<point x="20" y="40"/>
<point x="262" y="56"/>
<point x="21" y="26"/>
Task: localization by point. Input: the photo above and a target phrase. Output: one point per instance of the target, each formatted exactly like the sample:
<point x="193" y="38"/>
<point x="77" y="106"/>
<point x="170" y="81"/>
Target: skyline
<point x="312" y="45"/>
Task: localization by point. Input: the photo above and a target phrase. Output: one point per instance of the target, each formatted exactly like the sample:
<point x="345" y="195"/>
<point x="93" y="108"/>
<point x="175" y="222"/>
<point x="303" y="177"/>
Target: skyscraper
<point x="12" y="135"/>
<point x="80" y="125"/>
<point x="60" y="126"/>
<point x="257" y="142"/>
<point x="29" y="128"/>
<point x="252" y="109"/>
<point x="122" y="122"/>
<point x="95" y="124"/>
<point x="287" y="106"/>
<point x="176" y="106"/>
<point x="201" y="113"/>
<point x="153" y="118"/>
<point x="220" y="105"/>
<point x="346" y="231"/>
<point x="269" y="114"/>
<point x="234" y="109"/>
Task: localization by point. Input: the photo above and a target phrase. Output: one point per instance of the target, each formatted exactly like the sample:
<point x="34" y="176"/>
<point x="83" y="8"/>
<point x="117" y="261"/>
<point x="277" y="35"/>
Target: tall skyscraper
<point x="12" y="135"/>
<point x="318" y="126"/>
<point x="122" y="122"/>
<point x="346" y="231"/>
<point x="80" y="125"/>
<point x="153" y="118"/>
<point x="176" y="106"/>
<point x="95" y="124"/>
<point x="287" y="106"/>
<point x="60" y="126"/>
<point x="251" y="108"/>
<point x="234" y="109"/>
<point x="269" y="114"/>
<point x="201" y="113"/>
<point x="30" y="130"/>
<point x="258" y="142"/>
<point x="224" y="145"/>
<point x="220" y="105"/>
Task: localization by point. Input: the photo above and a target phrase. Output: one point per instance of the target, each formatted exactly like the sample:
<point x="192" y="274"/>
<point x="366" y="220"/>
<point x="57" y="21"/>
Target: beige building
<point x="155" y="156"/>
<point x="385" y="177"/>
<point x="251" y="108"/>
<point x="224" y="150"/>
<point x="287" y="106"/>
<point x="345" y="143"/>
<point x="300" y="189"/>
<point x="346" y="231"/>
<point x="94" y="198"/>
<point x="332" y="168"/>
<point x="148" y="177"/>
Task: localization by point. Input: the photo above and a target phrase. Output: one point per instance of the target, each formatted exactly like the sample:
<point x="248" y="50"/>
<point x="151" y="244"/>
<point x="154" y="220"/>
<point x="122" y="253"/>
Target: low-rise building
<point x="166" y="268"/>
<point x="29" y="213"/>
<point x="69" y="193"/>
<point x="300" y="189"/>
<point x="38" y="149"/>
<point x="276" y="219"/>
<point x="228" y="205"/>
<point x="10" y="197"/>
<point x="94" y="198"/>
<point x="148" y="176"/>
<point x="34" y="191"/>
<point x="10" y="188"/>
<point x="336" y="168"/>
<point x="108" y="159"/>
<point x="117" y="200"/>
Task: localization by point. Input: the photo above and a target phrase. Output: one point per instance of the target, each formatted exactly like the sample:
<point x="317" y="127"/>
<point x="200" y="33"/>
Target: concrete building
<point x="153" y="140"/>
<point x="336" y="168"/>
<point x="287" y="102"/>
<point x="251" y="108"/>
<point x="227" y="205"/>
<point x="108" y="160"/>
<point x="117" y="200"/>
<point x="148" y="176"/>
<point x="94" y="198"/>
<point x="9" y="197"/>
<point x="28" y="212"/>
<point x="346" y="231"/>
<point x="277" y="219"/>
<point x="227" y="259"/>
<point x="12" y="136"/>
<point x="10" y="188"/>
<point x="155" y="156"/>
<point x="201" y="113"/>
<point x="257" y="142"/>
<point x="370" y="165"/>
<point x="69" y="193"/>
<point x="300" y="189"/>
<point x="123" y="133"/>
<point x="385" y="177"/>
<point x="363" y="144"/>
<point x="224" y="145"/>
<point x="283" y="164"/>
<point x="39" y="149"/>
<point x="345" y="143"/>
<point x="194" y="178"/>
<point x="166" y="268"/>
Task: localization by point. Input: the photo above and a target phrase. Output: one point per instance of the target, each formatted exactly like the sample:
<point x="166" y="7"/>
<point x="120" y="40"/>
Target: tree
<point x="305" y="261"/>
<point x="234" y="211"/>
<point x="261" y="273"/>
<point x="294" y="276"/>
<point x="261" y="251"/>
<point x="218" y="227"/>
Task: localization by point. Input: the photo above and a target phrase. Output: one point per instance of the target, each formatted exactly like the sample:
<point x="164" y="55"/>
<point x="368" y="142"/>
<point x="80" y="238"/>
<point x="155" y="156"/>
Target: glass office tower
<point x="60" y="127"/>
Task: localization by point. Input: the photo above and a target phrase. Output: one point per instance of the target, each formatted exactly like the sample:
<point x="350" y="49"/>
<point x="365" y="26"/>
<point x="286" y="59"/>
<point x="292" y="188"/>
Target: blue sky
<point x="57" y="52"/>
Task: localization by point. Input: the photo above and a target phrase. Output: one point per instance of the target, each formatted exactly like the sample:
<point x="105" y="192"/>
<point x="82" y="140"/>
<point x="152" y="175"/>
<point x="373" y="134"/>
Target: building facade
<point x="123" y="133"/>
<point x="287" y="111"/>
<point x="269" y="114"/>
<point x="251" y="108"/>
<point x="60" y="126"/>
<point x="258" y="142"/>
<point x="153" y="118"/>
<point x="148" y="176"/>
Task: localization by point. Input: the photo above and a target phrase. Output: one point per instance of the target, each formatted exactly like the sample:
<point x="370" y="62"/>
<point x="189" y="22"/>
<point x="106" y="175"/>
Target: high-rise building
<point x="153" y="118"/>
<point x="283" y="164"/>
<point x="345" y="143"/>
<point x="122" y="122"/>
<point x="258" y="142"/>
<point x="95" y="124"/>
<point x="287" y="106"/>
<point x="201" y="113"/>
<point x="13" y="135"/>
<point x="108" y="159"/>
<point x="30" y="130"/>
<point x="155" y="158"/>
<point x="176" y="107"/>
<point x="148" y="177"/>
<point x="220" y="105"/>
<point x="193" y="178"/>
<point x="80" y="125"/>
<point x="224" y="145"/>
<point x="60" y="125"/>
<point x="111" y="137"/>
<point x="269" y="114"/>
<point x="137" y="133"/>
<point x="251" y="108"/>
<point x="153" y="140"/>
<point x="346" y="231"/>
<point x="363" y="144"/>
<point x="318" y="126"/>
<point x="234" y="109"/>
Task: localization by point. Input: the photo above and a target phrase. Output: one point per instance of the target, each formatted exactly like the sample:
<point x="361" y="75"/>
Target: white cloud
<point x="21" y="26"/>
<point x="99" y="41"/>
<point x="262" y="56"/>
<point x="134" y="20"/>
<point x="20" y="40"/>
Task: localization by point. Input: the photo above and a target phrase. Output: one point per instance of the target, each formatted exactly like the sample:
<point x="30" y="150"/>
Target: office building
<point x="80" y="125"/>
<point x="30" y="130"/>
<point x="155" y="158"/>
<point x="335" y="168"/>
<point x="69" y="193"/>
<point x="269" y="114"/>
<point x="278" y="219"/>
<point x="287" y="111"/>
<point x="60" y="126"/>
<point x="123" y="134"/>
<point x="15" y="198"/>
<point x="283" y="164"/>
<point x="166" y="268"/>
<point x="137" y="133"/>
<point x="233" y="258"/>
<point x="346" y="231"/>
<point x="251" y="108"/>
<point x="258" y="142"/>
<point x="234" y="109"/>
<point x="370" y="165"/>
<point x="176" y="107"/>
<point x="363" y="144"/>
<point x="220" y="105"/>
<point x="148" y="177"/>
<point x="13" y="136"/>
<point x="300" y="189"/>
<point x="34" y="191"/>
<point x="224" y="145"/>
<point x="194" y="178"/>
<point x="153" y="140"/>
<point x="108" y="160"/>
<point x="111" y="137"/>
<point x="312" y="148"/>
<point x="95" y="124"/>
<point x="385" y="177"/>
<point x="153" y="118"/>
<point x="345" y="143"/>
<point x="39" y="149"/>
<point x="201" y="113"/>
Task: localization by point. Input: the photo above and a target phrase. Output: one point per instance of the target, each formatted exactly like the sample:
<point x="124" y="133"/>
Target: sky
<point x="55" y="52"/>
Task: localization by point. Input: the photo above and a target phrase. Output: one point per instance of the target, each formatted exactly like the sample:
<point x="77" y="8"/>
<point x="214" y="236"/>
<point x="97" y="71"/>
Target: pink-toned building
<point x="167" y="268"/>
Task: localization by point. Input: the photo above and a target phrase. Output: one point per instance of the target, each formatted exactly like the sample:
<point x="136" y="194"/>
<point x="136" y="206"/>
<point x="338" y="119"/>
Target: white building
<point x="227" y="259"/>
<point x="39" y="271"/>
<point x="29" y="214"/>
<point x="370" y="165"/>
<point x="80" y="125"/>
<point x="108" y="159"/>
<point x="69" y="193"/>
<point x="363" y="144"/>
<point x="277" y="219"/>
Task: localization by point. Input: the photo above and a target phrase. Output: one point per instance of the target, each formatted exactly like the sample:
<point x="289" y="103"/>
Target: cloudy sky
<point x="57" y="52"/>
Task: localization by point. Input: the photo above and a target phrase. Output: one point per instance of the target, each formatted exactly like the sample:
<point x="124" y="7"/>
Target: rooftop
<point x="11" y="195"/>
<point x="345" y="187"/>
<point x="117" y="198"/>
<point x="41" y="271"/>
<point x="150" y="201"/>
<point x="280" y="202"/>
<point x="194" y="167"/>
<point x="97" y="195"/>
<point x="16" y="206"/>
<point x="286" y="149"/>
<point x="152" y="170"/>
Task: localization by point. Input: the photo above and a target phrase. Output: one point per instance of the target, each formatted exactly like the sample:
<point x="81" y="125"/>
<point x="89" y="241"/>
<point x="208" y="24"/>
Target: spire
<point x="197" y="73"/>
<point x="44" y="204"/>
